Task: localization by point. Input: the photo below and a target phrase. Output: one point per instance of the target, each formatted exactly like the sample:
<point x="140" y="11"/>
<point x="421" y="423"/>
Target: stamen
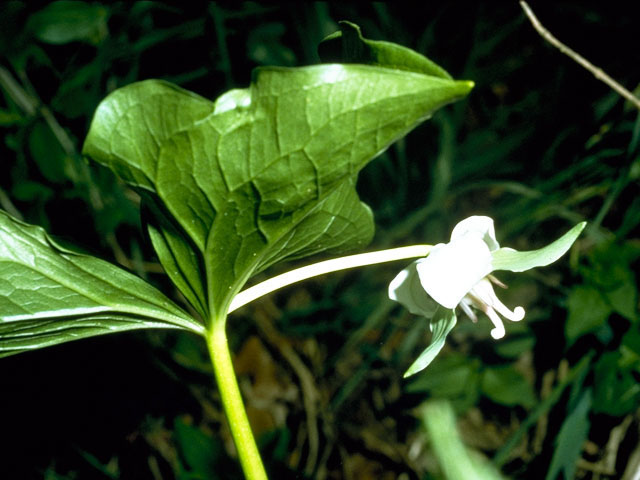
<point x="466" y="308"/>
<point x="498" y="331"/>
<point x="494" y="280"/>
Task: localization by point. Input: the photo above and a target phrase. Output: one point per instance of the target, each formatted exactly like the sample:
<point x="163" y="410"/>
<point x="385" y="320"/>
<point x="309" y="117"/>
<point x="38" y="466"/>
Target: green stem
<point x="327" y="266"/>
<point x="232" y="402"/>
<point x="221" y="356"/>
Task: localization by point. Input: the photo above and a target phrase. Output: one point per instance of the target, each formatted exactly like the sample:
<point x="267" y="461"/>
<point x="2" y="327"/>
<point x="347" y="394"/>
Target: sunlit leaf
<point x="50" y="295"/>
<point x="266" y="173"/>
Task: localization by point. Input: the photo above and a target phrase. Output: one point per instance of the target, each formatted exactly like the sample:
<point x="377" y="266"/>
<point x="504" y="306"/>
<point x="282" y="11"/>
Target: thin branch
<point x="576" y="57"/>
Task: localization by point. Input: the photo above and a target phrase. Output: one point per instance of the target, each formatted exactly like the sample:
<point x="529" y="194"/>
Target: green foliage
<point x="263" y="174"/>
<point x="588" y="311"/>
<point x="609" y="287"/>
<point x="259" y="176"/>
<point x="456" y="460"/>
<point x="51" y="295"/>
<point x="569" y="441"/>
<point x="539" y="146"/>
<point x="507" y="386"/>
<point x="348" y="45"/>
<point x="199" y="452"/>
<point x="453" y="377"/>
<point x="63" y="22"/>
<point x="616" y="389"/>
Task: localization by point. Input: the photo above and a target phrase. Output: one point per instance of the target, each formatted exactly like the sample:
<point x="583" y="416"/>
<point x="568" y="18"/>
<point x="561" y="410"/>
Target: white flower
<point x="457" y="274"/>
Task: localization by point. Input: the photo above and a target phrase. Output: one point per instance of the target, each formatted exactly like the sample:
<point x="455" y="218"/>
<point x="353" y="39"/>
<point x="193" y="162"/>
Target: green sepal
<point x="442" y="323"/>
<point x="514" y="261"/>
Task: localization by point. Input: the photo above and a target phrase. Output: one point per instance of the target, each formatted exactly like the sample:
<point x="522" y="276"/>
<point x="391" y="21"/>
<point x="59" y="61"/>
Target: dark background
<point x="539" y="145"/>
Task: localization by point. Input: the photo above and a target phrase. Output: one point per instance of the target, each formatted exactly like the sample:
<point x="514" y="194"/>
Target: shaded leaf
<point x="570" y="439"/>
<point x="587" y="311"/>
<point x="616" y="391"/>
<point x="455" y="377"/>
<point x="201" y="452"/>
<point x="176" y="253"/>
<point x="63" y="22"/>
<point x="50" y="295"/>
<point x="506" y="386"/>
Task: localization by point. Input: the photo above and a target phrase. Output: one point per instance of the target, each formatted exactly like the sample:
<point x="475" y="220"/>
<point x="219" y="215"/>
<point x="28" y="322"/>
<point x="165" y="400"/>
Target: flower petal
<point x="452" y="269"/>
<point x="407" y="290"/>
<point x="479" y="226"/>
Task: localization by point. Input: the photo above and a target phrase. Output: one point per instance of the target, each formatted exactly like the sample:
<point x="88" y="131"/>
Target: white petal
<point x="479" y="226"/>
<point x="407" y="289"/>
<point x="451" y="270"/>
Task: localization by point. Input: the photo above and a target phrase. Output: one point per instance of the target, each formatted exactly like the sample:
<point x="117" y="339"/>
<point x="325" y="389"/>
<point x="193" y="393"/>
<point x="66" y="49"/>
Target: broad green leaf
<point x="441" y="324"/>
<point x="347" y="222"/>
<point x="569" y="441"/>
<point x="349" y="46"/>
<point x="133" y="123"/>
<point x="266" y="173"/>
<point x="50" y="295"/>
<point x="514" y="261"/>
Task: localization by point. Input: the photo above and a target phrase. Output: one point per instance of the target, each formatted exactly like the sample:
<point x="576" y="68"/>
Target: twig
<point x="596" y="71"/>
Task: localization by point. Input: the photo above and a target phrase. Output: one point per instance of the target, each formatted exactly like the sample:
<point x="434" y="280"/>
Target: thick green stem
<point x="232" y="403"/>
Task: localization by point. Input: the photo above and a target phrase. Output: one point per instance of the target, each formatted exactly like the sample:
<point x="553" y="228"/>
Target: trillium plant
<point x="232" y="187"/>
